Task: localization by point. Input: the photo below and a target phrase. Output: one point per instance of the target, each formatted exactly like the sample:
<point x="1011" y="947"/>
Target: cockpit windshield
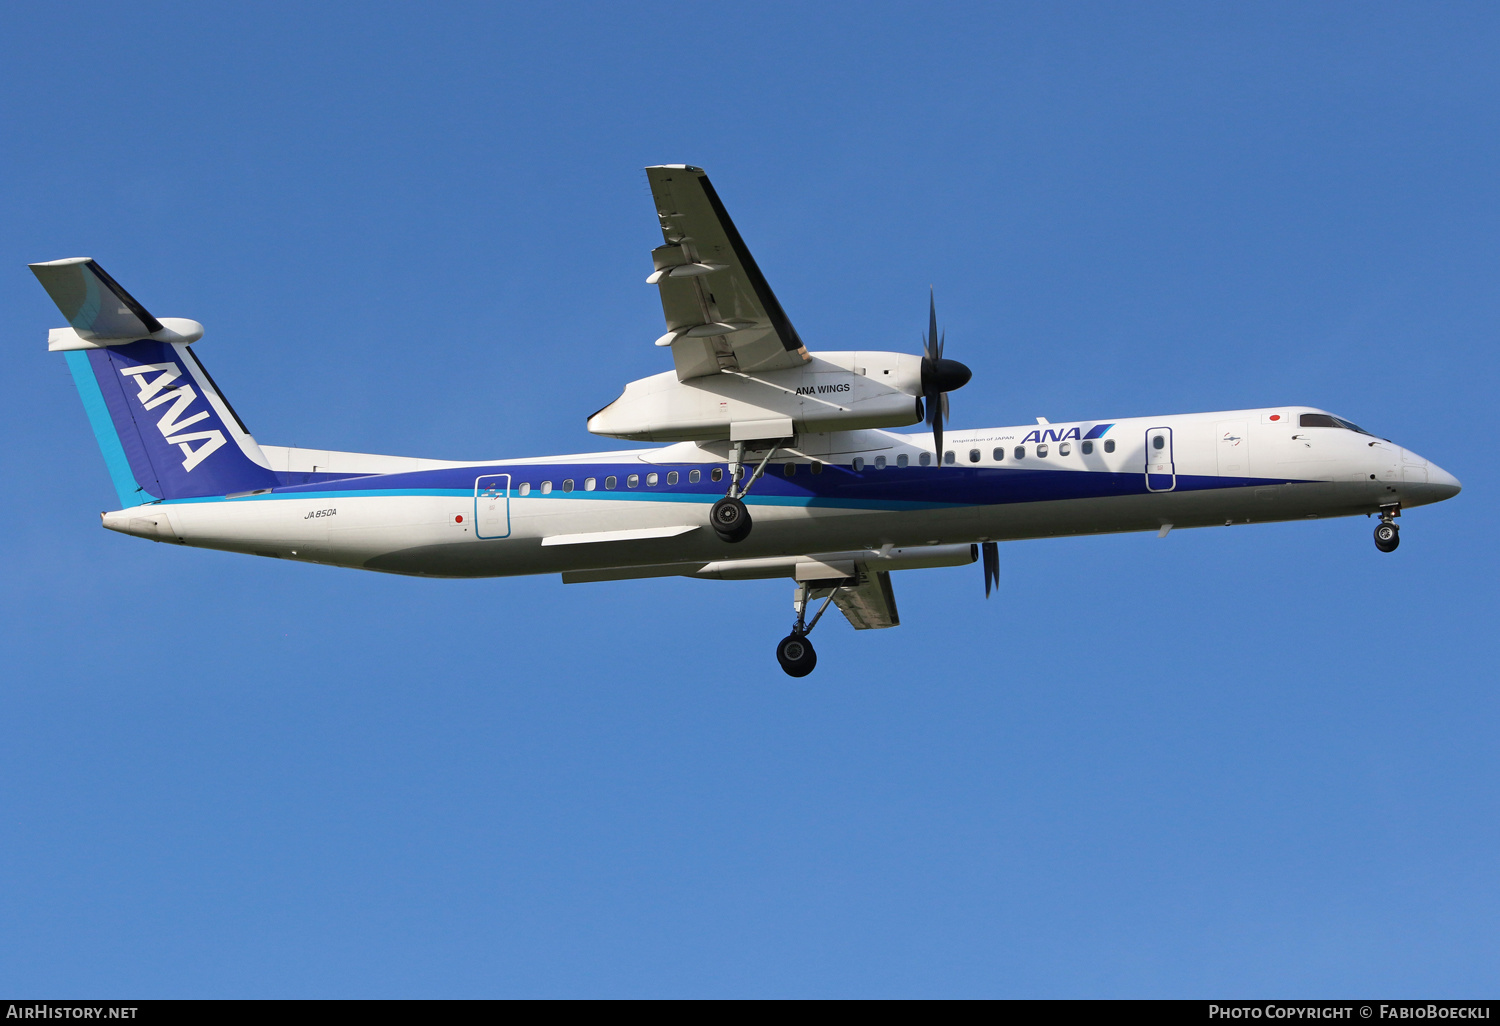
<point x="1325" y="420"/>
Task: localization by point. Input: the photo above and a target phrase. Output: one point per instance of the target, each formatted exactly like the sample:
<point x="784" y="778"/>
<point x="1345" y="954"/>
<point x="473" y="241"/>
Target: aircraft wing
<point x="721" y="314"/>
<point x="869" y="605"/>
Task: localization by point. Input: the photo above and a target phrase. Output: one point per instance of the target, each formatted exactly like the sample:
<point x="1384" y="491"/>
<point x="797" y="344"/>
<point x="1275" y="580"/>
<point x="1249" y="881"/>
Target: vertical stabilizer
<point x="164" y="428"/>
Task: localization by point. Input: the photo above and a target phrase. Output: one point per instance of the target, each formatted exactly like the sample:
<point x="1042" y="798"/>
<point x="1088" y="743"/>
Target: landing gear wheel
<point x="796" y="656"/>
<point x="731" y="519"/>
<point x="1387" y="537"/>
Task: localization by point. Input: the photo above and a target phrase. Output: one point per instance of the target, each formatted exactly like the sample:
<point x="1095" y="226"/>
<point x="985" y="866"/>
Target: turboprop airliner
<point x="770" y="460"/>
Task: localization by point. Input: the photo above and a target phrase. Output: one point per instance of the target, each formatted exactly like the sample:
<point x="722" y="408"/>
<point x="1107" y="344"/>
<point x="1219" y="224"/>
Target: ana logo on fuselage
<point x="157" y="392"/>
<point x="1052" y="435"/>
<point x="1061" y="434"/>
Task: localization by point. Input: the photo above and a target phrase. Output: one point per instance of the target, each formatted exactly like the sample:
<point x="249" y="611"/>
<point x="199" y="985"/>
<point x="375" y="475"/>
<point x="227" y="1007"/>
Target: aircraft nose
<point x="1443" y="484"/>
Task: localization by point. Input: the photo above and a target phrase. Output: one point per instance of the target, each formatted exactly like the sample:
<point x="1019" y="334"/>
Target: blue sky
<point x="1240" y="762"/>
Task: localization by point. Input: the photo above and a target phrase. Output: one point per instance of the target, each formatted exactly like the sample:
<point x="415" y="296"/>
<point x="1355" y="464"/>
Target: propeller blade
<point x="930" y="343"/>
<point x="991" y="566"/>
<point x="939" y="376"/>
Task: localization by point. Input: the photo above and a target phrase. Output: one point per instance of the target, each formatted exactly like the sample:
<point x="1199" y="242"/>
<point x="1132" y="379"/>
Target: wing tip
<point x="64" y="262"/>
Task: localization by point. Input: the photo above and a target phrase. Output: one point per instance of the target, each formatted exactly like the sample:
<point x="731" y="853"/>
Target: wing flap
<point x="869" y="605"/>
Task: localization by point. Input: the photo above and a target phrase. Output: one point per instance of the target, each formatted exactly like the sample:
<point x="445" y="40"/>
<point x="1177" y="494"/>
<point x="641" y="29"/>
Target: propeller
<point x="991" y="567"/>
<point x="939" y="376"/>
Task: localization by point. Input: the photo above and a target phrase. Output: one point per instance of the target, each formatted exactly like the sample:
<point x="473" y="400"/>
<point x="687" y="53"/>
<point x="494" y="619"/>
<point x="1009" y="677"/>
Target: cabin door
<point x="492" y="506"/>
<point x="1161" y="471"/>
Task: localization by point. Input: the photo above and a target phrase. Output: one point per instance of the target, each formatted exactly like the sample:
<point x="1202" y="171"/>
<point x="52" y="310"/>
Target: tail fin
<point x="164" y="428"/>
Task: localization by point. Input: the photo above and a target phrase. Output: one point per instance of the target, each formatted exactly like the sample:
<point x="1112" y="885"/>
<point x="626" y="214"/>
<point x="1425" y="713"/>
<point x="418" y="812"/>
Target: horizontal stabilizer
<point x="100" y="311"/>
<point x="93" y="302"/>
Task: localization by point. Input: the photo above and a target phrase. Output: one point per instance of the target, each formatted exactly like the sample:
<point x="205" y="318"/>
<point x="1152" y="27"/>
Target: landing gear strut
<point x="1387" y="532"/>
<point x="794" y="652"/>
<point x="729" y="517"/>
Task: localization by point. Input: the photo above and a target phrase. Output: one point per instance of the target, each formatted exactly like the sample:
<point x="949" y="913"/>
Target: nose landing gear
<point x="1387" y="533"/>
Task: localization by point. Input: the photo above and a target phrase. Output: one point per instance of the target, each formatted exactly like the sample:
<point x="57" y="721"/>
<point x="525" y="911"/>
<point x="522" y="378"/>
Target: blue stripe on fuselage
<point x="893" y="488"/>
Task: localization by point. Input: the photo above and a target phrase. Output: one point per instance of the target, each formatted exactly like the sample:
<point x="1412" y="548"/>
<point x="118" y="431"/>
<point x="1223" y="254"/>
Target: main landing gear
<point x="1387" y="533"/>
<point x="794" y="652"/>
<point x="729" y="517"/>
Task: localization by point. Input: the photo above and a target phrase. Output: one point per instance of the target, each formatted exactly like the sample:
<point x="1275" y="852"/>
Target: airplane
<point x="772" y="461"/>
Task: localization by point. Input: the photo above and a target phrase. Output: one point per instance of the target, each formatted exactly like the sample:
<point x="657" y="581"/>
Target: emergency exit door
<point x="492" y="506"/>
<point x="1161" y="471"/>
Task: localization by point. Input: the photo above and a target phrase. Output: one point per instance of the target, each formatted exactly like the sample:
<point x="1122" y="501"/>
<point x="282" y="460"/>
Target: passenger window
<point x="816" y="468"/>
<point x="717" y="474"/>
<point x="789" y="469"/>
<point x="1159" y="442"/>
<point x="859" y="463"/>
<point x="948" y="458"/>
<point x="610" y="482"/>
<point x="973" y="455"/>
<point x="568" y="485"/>
<point x="925" y="459"/>
<point x="632" y="480"/>
<point x="902" y="460"/>
<point x="1088" y="448"/>
<point x="589" y="484"/>
<point x="525" y="488"/>
<point x="1041" y="452"/>
<point x="1065" y="448"/>
<point x="1109" y="445"/>
<point x="879" y="462"/>
<point x="1020" y="452"/>
<point x="694" y="476"/>
<point x="671" y="477"/>
<point x="546" y="487"/>
<point x="999" y="454"/>
<point x="651" y="480"/>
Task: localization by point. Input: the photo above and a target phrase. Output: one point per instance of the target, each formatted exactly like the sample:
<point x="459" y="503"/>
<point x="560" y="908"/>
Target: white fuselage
<point x="577" y="513"/>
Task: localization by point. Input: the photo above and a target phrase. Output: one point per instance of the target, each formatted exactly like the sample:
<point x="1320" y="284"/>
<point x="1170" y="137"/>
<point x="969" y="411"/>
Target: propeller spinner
<point x="939" y="377"/>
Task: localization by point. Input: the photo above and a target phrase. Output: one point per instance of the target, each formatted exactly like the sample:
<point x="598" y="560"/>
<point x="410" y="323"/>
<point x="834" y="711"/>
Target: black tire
<point x="796" y="656"/>
<point x="1387" y="537"/>
<point x="730" y="519"/>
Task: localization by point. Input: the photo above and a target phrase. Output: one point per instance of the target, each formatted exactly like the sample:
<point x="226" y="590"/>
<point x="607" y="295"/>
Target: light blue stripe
<point x="350" y="493"/>
<point x="130" y="493"/>
<point x="682" y="497"/>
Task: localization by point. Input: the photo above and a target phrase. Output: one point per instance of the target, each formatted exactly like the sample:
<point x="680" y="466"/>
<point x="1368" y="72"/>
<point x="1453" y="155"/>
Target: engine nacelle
<point x="832" y="392"/>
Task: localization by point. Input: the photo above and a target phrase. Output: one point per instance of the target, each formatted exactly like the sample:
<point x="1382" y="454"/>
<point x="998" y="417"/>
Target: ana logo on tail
<point x="159" y="391"/>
